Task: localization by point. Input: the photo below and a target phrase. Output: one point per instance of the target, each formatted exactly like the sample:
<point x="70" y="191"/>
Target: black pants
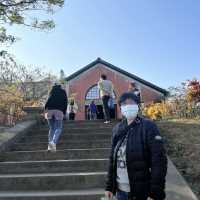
<point x="105" y="100"/>
<point x="71" y="116"/>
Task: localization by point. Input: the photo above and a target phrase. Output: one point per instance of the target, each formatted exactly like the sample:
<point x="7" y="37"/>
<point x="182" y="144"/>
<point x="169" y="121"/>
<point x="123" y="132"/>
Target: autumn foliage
<point x="11" y="103"/>
<point x="156" y="110"/>
<point x="182" y="103"/>
<point x="193" y="91"/>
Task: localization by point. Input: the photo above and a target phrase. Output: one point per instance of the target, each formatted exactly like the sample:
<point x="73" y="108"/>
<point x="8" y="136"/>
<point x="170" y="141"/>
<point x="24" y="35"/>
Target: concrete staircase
<point x="75" y="172"/>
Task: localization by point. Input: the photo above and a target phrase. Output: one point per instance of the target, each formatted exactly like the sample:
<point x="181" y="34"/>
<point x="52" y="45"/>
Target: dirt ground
<point x="183" y="146"/>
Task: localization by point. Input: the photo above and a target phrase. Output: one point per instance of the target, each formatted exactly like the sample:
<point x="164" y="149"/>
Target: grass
<point x="183" y="146"/>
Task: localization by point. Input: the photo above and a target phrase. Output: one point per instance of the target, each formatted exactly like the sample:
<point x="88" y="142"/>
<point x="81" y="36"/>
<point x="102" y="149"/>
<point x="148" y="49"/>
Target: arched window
<point x="93" y="93"/>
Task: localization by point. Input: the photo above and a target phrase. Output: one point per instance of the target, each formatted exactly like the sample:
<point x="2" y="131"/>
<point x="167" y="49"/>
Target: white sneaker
<point x="52" y="147"/>
<point x="49" y="148"/>
<point x="106" y="122"/>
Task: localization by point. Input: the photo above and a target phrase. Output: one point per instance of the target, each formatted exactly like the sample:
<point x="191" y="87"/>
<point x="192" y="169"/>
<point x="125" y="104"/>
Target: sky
<point x="157" y="40"/>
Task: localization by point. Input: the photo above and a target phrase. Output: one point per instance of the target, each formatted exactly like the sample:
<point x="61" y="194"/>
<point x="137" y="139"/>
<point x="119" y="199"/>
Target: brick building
<point x="82" y="85"/>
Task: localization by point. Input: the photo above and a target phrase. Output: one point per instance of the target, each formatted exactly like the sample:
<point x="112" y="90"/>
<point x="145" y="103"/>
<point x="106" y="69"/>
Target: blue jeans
<point x="122" y="195"/>
<point x="105" y="100"/>
<point x="93" y="116"/>
<point x="55" y="130"/>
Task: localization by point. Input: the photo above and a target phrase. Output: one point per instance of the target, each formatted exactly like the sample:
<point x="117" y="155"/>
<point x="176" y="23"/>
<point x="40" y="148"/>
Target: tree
<point x="13" y="73"/>
<point x="21" y="12"/>
<point x="17" y="86"/>
<point x="193" y="91"/>
<point x="178" y="92"/>
<point x="16" y="79"/>
<point x="15" y="12"/>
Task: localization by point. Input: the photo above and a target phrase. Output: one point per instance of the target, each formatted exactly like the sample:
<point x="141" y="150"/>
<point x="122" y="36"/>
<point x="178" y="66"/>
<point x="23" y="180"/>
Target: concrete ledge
<point x="11" y="135"/>
<point x="176" y="187"/>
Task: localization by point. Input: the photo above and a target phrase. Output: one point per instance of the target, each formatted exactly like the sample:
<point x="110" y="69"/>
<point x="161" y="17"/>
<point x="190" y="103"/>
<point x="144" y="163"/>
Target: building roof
<point x="100" y="61"/>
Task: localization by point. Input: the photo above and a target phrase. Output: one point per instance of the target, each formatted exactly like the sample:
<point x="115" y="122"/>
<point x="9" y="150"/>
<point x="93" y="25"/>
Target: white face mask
<point x="130" y="111"/>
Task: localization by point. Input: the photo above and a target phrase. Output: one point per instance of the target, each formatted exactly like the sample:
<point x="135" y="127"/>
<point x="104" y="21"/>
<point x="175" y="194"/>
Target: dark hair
<point x="72" y="102"/>
<point x="128" y="95"/>
<point x="133" y="84"/>
<point x="103" y="76"/>
<point x="55" y="89"/>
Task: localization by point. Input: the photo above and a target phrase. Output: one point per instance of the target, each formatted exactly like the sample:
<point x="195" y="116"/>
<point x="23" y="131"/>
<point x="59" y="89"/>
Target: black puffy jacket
<point x="57" y="100"/>
<point x="146" y="159"/>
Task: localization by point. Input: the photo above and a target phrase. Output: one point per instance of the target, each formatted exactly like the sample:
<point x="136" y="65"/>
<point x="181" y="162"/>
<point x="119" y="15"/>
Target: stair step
<point x="91" y="194"/>
<point x="54" y="166"/>
<point x="77" y="171"/>
<point x="67" y="144"/>
<point x="84" y="125"/>
<point x="73" y="131"/>
<point x="52" y="181"/>
<point x="68" y="137"/>
<point x="97" y="153"/>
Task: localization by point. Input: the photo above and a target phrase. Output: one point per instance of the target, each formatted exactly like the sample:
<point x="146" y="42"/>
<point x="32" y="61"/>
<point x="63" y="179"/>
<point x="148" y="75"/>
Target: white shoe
<point x="106" y="122"/>
<point x="49" y="148"/>
<point x="52" y="147"/>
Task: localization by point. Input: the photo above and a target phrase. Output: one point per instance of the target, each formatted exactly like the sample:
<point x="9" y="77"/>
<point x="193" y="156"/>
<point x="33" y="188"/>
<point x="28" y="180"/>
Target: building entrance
<point x="93" y="95"/>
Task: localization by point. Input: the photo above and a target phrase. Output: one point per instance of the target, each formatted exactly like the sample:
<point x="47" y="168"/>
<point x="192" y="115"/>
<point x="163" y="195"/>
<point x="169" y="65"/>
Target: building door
<point x="93" y="94"/>
<point x="100" y="114"/>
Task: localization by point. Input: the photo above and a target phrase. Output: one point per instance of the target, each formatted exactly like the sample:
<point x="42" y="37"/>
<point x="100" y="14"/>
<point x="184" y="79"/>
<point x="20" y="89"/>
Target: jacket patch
<point x="158" y="137"/>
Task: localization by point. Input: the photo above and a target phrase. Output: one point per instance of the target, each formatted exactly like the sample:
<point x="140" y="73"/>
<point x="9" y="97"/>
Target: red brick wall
<point x="83" y="82"/>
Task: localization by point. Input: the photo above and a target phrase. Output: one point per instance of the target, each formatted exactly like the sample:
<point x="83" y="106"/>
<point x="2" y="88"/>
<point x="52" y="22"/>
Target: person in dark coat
<point x="55" y="110"/>
<point x="138" y="161"/>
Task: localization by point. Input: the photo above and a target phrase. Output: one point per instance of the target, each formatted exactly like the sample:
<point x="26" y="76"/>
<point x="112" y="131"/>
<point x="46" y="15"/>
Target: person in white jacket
<point x="72" y="109"/>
